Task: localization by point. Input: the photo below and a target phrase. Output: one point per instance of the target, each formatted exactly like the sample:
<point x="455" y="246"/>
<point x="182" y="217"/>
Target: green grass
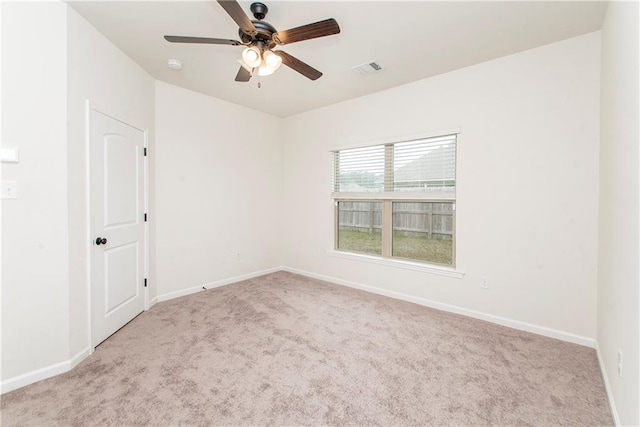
<point x="358" y="241"/>
<point x="423" y="249"/>
<point x="409" y="247"/>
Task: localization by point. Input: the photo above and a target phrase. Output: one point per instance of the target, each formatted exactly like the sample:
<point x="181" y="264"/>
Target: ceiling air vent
<point x="367" y="68"/>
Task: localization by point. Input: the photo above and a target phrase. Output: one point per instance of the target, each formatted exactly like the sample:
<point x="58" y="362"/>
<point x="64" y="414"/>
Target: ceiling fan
<point x="260" y="37"/>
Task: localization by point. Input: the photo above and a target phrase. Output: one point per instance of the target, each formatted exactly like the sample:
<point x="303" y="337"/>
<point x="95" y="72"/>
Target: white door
<point x="117" y="218"/>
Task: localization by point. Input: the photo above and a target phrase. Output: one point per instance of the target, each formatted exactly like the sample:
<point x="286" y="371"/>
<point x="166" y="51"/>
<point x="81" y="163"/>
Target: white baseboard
<point x="211" y="285"/>
<point x="240" y="278"/>
<point x="153" y="301"/>
<point x="515" y="324"/>
<point x="607" y="387"/>
<point x="175" y="294"/>
<point x="43" y="373"/>
<point x="75" y="360"/>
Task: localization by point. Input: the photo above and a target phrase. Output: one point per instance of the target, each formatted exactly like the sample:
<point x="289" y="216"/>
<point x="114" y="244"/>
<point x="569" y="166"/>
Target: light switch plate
<point x="10" y="154"/>
<point x="9" y="190"/>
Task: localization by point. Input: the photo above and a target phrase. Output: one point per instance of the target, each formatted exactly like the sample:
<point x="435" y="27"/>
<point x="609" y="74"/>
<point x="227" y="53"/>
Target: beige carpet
<point x="284" y="349"/>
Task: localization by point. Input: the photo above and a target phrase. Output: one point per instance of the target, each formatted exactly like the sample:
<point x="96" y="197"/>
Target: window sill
<point x="442" y="271"/>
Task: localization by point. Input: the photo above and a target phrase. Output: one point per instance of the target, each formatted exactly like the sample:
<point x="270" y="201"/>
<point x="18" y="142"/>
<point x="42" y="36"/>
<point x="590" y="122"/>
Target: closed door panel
<point x="117" y="218"/>
<point x="121" y="183"/>
<point x="121" y="276"/>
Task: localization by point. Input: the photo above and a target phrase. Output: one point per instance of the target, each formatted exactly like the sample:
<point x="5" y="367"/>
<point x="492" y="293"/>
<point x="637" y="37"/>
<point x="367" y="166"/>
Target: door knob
<point x="101" y="241"/>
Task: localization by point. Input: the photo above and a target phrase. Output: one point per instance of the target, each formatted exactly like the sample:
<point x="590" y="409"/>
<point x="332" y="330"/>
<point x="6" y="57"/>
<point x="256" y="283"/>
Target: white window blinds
<point x="426" y="165"/>
<point x="419" y="166"/>
<point x="359" y="170"/>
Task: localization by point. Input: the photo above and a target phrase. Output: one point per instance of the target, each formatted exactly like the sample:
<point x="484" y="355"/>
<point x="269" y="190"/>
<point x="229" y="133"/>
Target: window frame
<point x="387" y="198"/>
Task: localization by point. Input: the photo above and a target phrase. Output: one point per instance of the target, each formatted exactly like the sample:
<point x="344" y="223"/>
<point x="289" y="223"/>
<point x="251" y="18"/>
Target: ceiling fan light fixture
<point x="272" y="60"/>
<point x="270" y="63"/>
<point x="251" y="56"/>
<point x="265" y="70"/>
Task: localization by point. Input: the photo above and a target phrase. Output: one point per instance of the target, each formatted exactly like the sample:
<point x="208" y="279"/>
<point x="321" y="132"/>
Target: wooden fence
<point x="434" y="220"/>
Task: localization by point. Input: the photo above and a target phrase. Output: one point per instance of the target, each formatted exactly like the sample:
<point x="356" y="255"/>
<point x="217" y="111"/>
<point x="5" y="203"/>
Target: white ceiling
<point x="412" y="40"/>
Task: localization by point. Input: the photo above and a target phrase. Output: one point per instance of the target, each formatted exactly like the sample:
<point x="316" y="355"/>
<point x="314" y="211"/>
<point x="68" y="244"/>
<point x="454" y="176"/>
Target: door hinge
<point x="145" y="282"/>
<point x="145" y="151"/>
<point x="145" y="217"/>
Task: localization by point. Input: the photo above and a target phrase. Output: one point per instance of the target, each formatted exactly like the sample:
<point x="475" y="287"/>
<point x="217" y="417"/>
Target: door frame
<point x="89" y="107"/>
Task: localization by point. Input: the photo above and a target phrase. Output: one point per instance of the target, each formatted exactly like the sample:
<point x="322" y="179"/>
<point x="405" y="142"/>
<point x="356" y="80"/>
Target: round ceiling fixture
<point x="174" y="64"/>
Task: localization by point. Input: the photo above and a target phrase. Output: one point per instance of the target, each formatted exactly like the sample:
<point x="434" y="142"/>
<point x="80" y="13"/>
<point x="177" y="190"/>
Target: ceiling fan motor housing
<point x="265" y="34"/>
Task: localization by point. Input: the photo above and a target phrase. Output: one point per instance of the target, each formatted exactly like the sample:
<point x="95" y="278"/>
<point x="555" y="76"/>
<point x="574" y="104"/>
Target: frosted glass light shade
<point x="272" y="60"/>
<point x="251" y="56"/>
<point x="265" y="71"/>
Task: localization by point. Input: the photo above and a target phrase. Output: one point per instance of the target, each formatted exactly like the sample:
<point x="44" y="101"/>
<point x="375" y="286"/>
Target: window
<point x="397" y="200"/>
<point x="360" y="227"/>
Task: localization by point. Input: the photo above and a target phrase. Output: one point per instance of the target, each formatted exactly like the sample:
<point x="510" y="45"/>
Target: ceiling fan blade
<point x="237" y="14"/>
<point x="243" y="75"/>
<point x="205" y="40"/>
<point x="306" y="32"/>
<point x="299" y="66"/>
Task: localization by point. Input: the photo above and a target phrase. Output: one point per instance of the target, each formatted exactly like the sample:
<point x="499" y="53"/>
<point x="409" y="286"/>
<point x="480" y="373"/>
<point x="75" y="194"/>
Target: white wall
<point x="527" y="183"/>
<point x="53" y="61"/>
<point x="219" y="190"/>
<point x="618" y="267"/>
<point x="116" y="85"/>
<point x="35" y="305"/>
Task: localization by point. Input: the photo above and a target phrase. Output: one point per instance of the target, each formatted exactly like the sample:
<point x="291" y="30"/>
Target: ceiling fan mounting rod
<point x="260" y="44"/>
<point x="259" y="10"/>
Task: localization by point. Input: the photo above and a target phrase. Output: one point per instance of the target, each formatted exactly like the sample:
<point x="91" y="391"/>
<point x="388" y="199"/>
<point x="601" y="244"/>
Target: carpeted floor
<point x="283" y="349"/>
